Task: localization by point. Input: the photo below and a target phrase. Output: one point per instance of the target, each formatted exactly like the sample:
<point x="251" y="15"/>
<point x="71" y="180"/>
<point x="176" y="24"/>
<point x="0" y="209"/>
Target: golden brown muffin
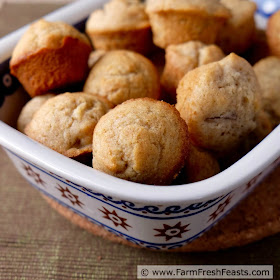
<point x="182" y="58"/>
<point x="273" y="33"/>
<point x="219" y="101"/>
<point x="238" y="33"/>
<point x="142" y="140"/>
<point x="200" y="165"/>
<point x="50" y="55"/>
<point x="123" y="24"/>
<point x="121" y="75"/>
<point x="268" y="74"/>
<point x="179" y="21"/>
<point x="29" y="109"/>
<point x="65" y="123"/>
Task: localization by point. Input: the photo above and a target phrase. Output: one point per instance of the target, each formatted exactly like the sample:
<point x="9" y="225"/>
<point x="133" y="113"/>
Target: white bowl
<point x="159" y="217"/>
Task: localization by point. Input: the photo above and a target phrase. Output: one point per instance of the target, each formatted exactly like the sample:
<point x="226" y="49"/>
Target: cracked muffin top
<point x="118" y="15"/>
<point x="142" y="140"/>
<point x="65" y="123"/>
<point x="121" y="75"/>
<point x="219" y="101"/>
<point x="44" y="34"/>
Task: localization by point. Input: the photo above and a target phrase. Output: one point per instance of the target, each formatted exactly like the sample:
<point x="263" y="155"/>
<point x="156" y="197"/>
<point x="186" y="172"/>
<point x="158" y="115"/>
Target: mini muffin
<point x="268" y="74"/>
<point x="238" y="33"/>
<point x="142" y="140"/>
<point x="179" y="21"/>
<point x="30" y="108"/>
<point x="49" y="56"/>
<point x="182" y="58"/>
<point x="273" y="33"/>
<point x="65" y="123"/>
<point x="94" y="57"/>
<point x="200" y="165"/>
<point x="219" y="101"/>
<point x="263" y="128"/>
<point x="121" y="75"/>
<point x="123" y="24"/>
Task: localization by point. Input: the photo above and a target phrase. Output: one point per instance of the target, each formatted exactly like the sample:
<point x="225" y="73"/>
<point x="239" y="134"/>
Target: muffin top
<point x="43" y="34"/>
<point x="195" y="52"/>
<point x="219" y="101"/>
<point x="142" y="140"/>
<point x="65" y="123"/>
<point x="268" y="74"/>
<point x="207" y="7"/>
<point x="118" y="14"/>
<point x="240" y="10"/>
<point x="187" y="56"/>
<point x="121" y="75"/>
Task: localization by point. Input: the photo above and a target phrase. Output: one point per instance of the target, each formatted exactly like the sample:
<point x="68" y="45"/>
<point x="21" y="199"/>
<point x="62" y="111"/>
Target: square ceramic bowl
<point x="158" y="217"/>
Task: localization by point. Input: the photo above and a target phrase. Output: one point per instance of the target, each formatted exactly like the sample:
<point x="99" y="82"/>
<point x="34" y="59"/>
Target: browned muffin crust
<point x="220" y="101"/>
<point x="65" y="123"/>
<point x="50" y="55"/>
<point x="179" y="21"/>
<point x="122" y="24"/>
<point x="142" y="140"/>
<point x="121" y="75"/>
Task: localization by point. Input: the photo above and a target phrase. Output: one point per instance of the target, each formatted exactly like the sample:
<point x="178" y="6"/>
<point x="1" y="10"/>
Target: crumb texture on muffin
<point x="142" y="140"/>
<point x="121" y="75"/>
<point x="219" y="102"/>
<point x="65" y="123"/>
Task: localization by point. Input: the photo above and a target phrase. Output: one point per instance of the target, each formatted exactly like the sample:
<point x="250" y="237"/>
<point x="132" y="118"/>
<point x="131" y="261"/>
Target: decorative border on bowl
<point x="160" y="232"/>
<point x="139" y="242"/>
<point x="125" y="206"/>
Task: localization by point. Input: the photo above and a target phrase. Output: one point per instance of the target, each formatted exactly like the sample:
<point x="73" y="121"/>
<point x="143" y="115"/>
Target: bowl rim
<point x="234" y="176"/>
<point x="238" y="174"/>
